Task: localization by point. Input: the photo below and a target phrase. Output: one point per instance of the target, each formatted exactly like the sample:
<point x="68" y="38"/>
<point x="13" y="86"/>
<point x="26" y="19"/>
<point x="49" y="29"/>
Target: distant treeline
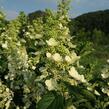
<point x="35" y="15"/>
<point x="94" y="20"/>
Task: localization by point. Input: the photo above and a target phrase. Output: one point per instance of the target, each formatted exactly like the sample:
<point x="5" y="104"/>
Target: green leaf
<point x="88" y="95"/>
<point x="46" y="101"/>
<point x="58" y="102"/>
<point x="51" y="101"/>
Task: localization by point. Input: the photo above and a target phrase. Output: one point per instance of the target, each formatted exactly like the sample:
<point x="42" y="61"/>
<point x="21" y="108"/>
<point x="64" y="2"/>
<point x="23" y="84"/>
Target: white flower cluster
<point x="51" y="84"/>
<point x="107" y="60"/>
<point x="105" y="73"/>
<point x="36" y="36"/>
<point x="52" y="42"/>
<point x="71" y="107"/>
<point x="56" y="57"/>
<point x="74" y="57"/>
<point x="73" y="73"/>
<point x="33" y="67"/>
<point x="60" y="25"/>
<point x="48" y="55"/>
<point x="96" y="92"/>
<point x="105" y="91"/>
<point x="66" y="31"/>
<point x="5" y="96"/>
<point x="5" y="45"/>
<point x="68" y="59"/>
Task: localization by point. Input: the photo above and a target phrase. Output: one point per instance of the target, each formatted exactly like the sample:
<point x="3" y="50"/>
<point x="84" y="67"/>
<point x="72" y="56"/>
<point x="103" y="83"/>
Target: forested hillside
<point x="35" y="15"/>
<point x="92" y="20"/>
<point x="93" y="26"/>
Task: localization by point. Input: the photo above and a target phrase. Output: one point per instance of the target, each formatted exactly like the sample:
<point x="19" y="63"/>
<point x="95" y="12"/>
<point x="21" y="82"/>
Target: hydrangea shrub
<point x="39" y="68"/>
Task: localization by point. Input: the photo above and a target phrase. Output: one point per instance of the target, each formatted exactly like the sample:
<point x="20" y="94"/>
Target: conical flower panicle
<point x="42" y="59"/>
<point x="59" y="51"/>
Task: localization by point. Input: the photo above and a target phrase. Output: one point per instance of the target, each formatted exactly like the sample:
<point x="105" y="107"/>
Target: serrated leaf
<point x="58" y="102"/>
<point x="46" y="101"/>
<point x="51" y="101"/>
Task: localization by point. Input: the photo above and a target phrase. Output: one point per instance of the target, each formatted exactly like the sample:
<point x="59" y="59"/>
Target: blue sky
<point x="78" y="7"/>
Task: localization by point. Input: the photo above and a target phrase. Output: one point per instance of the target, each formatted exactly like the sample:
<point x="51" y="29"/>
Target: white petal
<point x="68" y="59"/>
<point x="57" y="57"/>
<point x="48" y="55"/>
<point x="51" y="84"/>
<point x="51" y="42"/>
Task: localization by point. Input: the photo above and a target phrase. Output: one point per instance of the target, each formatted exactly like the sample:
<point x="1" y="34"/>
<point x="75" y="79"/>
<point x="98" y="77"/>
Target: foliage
<point x="40" y="66"/>
<point x="34" y="15"/>
<point x="92" y="20"/>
